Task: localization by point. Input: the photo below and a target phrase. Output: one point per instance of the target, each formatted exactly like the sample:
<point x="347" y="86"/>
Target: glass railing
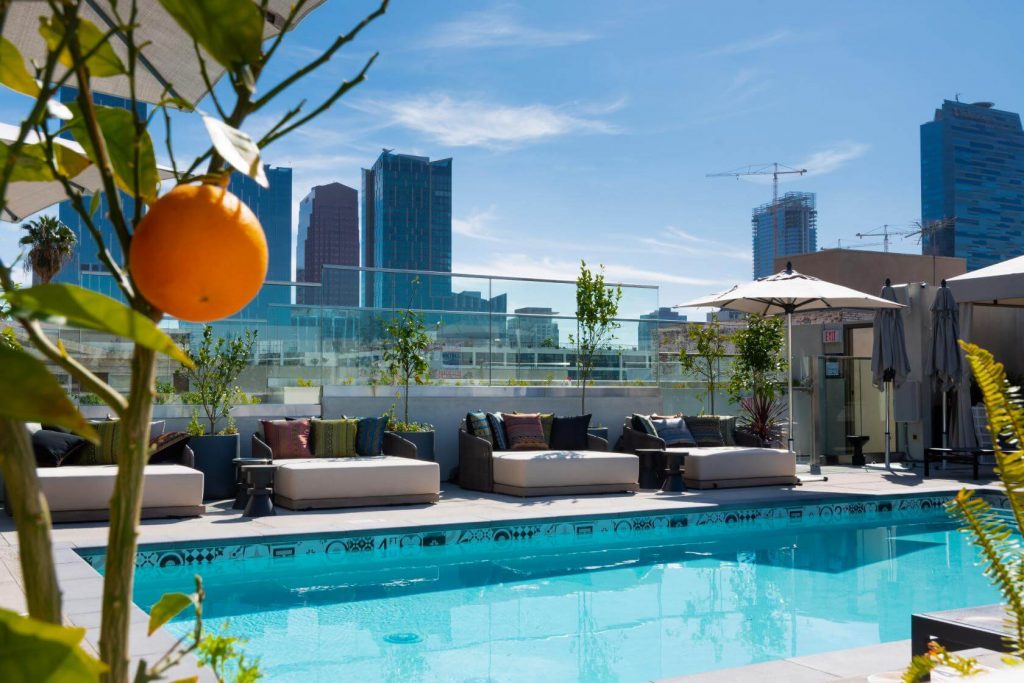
<point x="485" y="331"/>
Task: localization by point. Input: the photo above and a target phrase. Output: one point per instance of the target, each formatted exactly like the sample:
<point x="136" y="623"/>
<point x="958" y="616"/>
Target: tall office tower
<point x="84" y="268"/>
<point x="407" y="225"/>
<point x="788" y="226"/>
<point x="273" y="207"/>
<point x="651" y="323"/>
<point x="972" y="184"/>
<point x="533" y="327"/>
<point x="328" y="236"/>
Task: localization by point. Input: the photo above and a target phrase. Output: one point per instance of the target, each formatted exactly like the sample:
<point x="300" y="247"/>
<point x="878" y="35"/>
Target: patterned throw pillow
<point x="674" y="431"/>
<point x="104" y="453"/>
<point x="287" y="438"/>
<point x="370" y="435"/>
<point x="334" y="438"/>
<point x="477" y="425"/>
<point x="707" y="431"/>
<point x="497" y="423"/>
<point x="525" y="432"/>
<point x="643" y="423"/>
<point x="546" y="420"/>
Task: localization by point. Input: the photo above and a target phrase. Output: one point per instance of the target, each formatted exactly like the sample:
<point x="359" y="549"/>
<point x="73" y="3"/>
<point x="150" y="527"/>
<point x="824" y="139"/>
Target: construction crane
<point x="884" y="232"/>
<point x="774" y="169"/>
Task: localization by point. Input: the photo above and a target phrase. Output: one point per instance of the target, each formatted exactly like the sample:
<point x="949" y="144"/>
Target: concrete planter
<point x="424" y="443"/>
<point x="301" y="395"/>
<point x="213" y="458"/>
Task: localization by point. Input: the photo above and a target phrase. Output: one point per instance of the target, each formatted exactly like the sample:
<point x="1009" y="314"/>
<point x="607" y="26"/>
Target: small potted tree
<point x="708" y="351"/>
<point x="405" y="361"/>
<point x="757" y="377"/>
<point x="597" y="305"/>
<point x="217" y="364"/>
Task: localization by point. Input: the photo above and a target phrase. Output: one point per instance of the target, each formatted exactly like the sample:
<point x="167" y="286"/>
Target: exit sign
<point x="830" y="335"/>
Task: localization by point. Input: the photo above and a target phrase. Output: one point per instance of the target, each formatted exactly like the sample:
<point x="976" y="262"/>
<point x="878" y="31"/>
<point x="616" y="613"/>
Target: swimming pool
<point x="602" y="599"/>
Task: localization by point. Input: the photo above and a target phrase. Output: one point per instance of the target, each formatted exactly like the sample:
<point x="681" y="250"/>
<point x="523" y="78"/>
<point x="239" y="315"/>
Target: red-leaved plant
<point x="761" y="415"/>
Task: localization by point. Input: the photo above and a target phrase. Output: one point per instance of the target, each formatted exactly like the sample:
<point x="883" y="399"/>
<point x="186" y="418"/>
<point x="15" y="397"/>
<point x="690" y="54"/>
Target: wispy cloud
<point x="676" y="241"/>
<point x="500" y="28"/>
<point x="477" y="225"/>
<point x="739" y="47"/>
<point x="833" y="158"/>
<point x="527" y="265"/>
<point x="463" y="123"/>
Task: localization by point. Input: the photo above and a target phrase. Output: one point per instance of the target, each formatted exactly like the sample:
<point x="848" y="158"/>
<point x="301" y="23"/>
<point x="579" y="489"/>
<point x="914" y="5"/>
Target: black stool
<point x="261" y="489"/>
<point x="649" y="464"/>
<point x="673" y="472"/>
<point x="242" y="497"/>
<point x="858" y="441"/>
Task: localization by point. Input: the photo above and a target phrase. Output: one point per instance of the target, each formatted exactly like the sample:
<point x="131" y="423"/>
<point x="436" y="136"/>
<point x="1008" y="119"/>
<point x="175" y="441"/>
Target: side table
<point x="650" y="459"/>
<point x="858" y="441"/>
<point x="674" y="472"/>
<point x="261" y="489"/>
<point x="242" y="486"/>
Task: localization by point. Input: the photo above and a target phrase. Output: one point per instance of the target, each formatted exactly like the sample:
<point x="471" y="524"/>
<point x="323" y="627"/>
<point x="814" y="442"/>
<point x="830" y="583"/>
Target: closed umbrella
<point x="25" y="198"/>
<point x="890" y="364"/>
<point x="945" y="365"/>
<point x="788" y="292"/>
<point x="168" y="64"/>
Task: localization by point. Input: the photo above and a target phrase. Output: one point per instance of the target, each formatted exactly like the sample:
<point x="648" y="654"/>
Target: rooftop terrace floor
<point x="83" y="586"/>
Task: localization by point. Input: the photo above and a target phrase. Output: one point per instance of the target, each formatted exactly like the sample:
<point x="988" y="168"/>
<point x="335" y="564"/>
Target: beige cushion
<point x="89" y="487"/>
<point x="723" y="463"/>
<point x="564" y="468"/>
<point x="356" y="477"/>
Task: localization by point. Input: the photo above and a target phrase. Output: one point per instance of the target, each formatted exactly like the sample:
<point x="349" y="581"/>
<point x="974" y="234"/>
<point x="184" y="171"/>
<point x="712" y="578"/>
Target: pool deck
<point x="82" y="586"/>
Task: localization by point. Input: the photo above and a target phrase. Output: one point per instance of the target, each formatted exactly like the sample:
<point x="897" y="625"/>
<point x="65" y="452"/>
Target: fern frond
<point x="1002" y="559"/>
<point x="922" y="665"/>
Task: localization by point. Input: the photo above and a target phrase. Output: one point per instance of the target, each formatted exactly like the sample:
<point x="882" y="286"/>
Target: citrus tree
<point x="709" y="348"/>
<point x="196" y="253"/>
<point x="405" y="356"/>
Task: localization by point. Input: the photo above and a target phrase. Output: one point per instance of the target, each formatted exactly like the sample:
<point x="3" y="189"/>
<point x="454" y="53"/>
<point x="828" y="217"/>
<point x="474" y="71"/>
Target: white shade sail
<point x="167" y="62"/>
<point x="1001" y="284"/>
<point x="24" y="198"/>
<point x="788" y="292"/>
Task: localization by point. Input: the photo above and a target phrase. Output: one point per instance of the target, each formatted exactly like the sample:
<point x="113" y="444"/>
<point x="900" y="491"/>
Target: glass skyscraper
<point x="329" y="235"/>
<point x="972" y="184"/>
<point x="407" y="225"/>
<point x="788" y="226"/>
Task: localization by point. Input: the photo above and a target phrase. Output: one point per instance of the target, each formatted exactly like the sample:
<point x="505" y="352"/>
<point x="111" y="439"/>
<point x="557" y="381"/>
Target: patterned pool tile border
<point x="538" y="534"/>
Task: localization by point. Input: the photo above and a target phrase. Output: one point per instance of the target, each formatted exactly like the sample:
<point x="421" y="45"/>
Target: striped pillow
<point x="673" y="431"/>
<point x="105" y="452"/>
<point x="477" y="425"/>
<point x="546" y="420"/>
<point x="497" y="423"/>
<point x="370" y="435"/>
<point x="525" y="431"/>
<point x="334" y="438"/>
<point x="287" y="438"/>
<point x="707" y="431"/>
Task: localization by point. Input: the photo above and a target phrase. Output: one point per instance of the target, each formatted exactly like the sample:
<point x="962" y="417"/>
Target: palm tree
<point x="50" y="243"/>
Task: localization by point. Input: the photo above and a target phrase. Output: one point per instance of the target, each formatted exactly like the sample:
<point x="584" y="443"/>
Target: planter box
<point x="304" y="395"/>
<point x="424" y="443"/>
<point x="213" y="458"/>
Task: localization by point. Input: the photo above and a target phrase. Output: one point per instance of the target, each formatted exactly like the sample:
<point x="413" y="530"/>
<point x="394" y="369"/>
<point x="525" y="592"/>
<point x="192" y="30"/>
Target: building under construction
<point x="786" y="226"/>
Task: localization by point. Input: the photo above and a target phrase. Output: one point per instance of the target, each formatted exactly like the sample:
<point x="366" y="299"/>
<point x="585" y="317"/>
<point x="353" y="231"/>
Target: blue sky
<point x="584" y="129"/>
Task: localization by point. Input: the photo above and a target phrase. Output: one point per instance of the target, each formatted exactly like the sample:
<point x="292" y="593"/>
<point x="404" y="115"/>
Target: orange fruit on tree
<point x="199" y="253"/>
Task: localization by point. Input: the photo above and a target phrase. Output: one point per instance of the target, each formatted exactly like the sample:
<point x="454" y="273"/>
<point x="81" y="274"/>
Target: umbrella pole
<point x="945" y="425"/>
<point x="789" y="374"/>
<point x="887" y="464"/>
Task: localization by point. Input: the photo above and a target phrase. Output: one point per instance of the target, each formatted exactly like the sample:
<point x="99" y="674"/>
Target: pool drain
<point x="402" y="638"/>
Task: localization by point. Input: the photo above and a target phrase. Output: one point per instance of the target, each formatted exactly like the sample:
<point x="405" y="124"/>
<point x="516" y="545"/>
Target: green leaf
<point x="102" y="63"/>
<point x="33" y="651"/>
<point x="13" y="72"/>
<point x="32" y="166"/>
<point x="32" y="394"/>
<point x="72" y="305"/>
<point x="189" y="679"/>
<point x="237" y="148"/>
<point x="231" y="31"/>
<point x="118" y="128"/>
<point x="167" y="607"/>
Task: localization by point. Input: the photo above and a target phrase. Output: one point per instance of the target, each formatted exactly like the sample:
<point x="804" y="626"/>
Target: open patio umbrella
<point x="945" y="365"/>
<point x="788" y="292"/>
<point x="889" y="361"/>
<point x="168" y="63"/>
<point x="25" y="198"/>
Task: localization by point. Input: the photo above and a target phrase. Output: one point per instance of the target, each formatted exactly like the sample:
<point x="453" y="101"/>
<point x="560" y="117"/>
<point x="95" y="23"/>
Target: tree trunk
<point x="406" y="402"/>
<point x="32" y="520"/>
<point x="583" y="389"/>
<point x="125" y="508"/>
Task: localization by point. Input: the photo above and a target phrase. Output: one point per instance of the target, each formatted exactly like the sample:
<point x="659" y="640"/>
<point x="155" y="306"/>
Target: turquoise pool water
<point x="611" y="609"/>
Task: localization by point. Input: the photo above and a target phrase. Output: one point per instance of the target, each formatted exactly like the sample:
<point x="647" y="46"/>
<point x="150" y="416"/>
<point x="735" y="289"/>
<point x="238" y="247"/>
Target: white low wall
<point x="446" y="406"/>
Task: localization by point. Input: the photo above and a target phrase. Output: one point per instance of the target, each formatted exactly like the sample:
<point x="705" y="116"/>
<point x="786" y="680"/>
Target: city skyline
<point x="585" y="130"/>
